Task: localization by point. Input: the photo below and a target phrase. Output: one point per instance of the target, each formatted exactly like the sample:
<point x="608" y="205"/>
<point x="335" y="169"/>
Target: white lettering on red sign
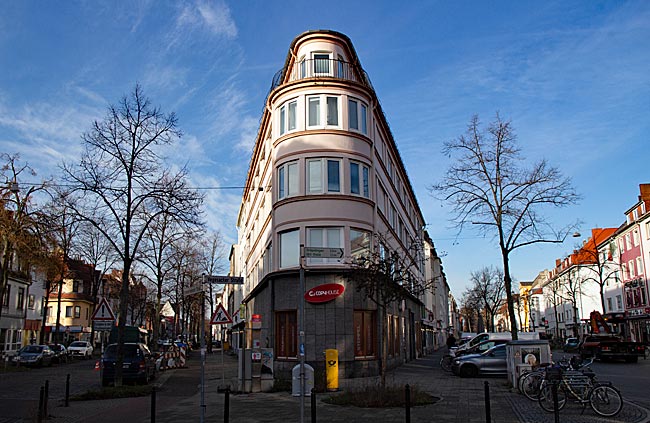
<point x="324" y="293"/>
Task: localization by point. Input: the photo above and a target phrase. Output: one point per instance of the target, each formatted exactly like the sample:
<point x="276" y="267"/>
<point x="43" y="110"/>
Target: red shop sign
<point x="324" y="293"/>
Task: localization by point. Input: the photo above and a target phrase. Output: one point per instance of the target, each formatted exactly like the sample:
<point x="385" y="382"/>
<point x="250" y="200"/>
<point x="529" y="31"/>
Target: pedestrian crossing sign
<point x="220" y="316"/>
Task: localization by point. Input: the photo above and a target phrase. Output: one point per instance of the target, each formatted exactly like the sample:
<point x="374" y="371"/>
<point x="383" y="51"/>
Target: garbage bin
<point x="332" y="369"/>
<point x="309" y="380"/>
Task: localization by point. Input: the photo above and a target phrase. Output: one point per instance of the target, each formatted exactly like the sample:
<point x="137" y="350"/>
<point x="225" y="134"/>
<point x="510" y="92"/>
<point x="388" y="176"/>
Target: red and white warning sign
<point x="220" y="316"/>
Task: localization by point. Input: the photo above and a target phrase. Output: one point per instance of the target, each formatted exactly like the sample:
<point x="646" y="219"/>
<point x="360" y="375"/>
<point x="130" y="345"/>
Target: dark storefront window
<point x="286" y="332"/>
<point x="365" y="329"/>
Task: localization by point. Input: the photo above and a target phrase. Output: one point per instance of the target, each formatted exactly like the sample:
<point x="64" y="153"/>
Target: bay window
<point x="322" y="64"/>
<point x="288" y="116"/>
<point x="288" y="182"/>
<point x="324" y="237"/>
<point x="317" y="115"/>
<point x="359" y="243"/>
<point x="289" y="248"/>
<point x="359" y="175"/>
<point x="323" y="175"/>
<point x="357" y="115"/>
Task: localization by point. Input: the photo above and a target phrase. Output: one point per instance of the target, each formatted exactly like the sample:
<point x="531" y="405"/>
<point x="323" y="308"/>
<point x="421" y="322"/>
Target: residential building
<point x="14" y="306"/>
<point x="435" y="323"/>
<point x="325" y="173"/>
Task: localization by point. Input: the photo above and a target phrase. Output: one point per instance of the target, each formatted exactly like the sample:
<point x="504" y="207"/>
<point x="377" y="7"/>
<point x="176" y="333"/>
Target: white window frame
<point x="286" y="248"/>
<point x="324" y="242"/>
<point x="284" y="172"/>
<point x="284" y="116"/>
<point x="363" y="178"/>
<point x="330" y="63"/>
<point x="324" y="175"/>
<point x="323" y="117"/>
<point x="361" y="110"/>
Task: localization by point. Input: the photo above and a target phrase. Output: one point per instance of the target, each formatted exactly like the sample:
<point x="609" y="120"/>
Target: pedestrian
<point x="451" y="341"/>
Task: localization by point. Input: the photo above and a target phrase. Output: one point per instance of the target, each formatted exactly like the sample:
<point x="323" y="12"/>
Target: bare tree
<point x="121" y="181"/>
<point x="486" y="186"/>
<point x="214" y="259"/>
<point x="19" y="217"/>
<point x="471" y="309"/>
<point x="488" y="289"/>
<point x="385" y="278"/>
<point x="600" y="266"/>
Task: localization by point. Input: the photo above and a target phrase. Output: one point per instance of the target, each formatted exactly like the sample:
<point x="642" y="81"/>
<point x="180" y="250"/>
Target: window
<point x="609" y="304"/>
<point x="75" y="286"/>
<point x="77" y="312"/>
<point x="68" y="311"/>
<point x="288" y="113"/>
<point x="317" y="115"/>
<point x="303" y="67"/>
<point x="323" y="173"/>
<point x="322" y="64"/>
<point x="630" y="268"/>
<point x="288" y="180"/>
<point x="31" y="300"/>
<point x="332" y="111"/>
<point x="324" y="237"/>
<point x="289" y="248"/>
<point x="628" y="244"/>
<point x="359" y="243"/>
<point x="364" y="333"/>
<point x="392" y="216"/>
<point x="341" y="73"/>
<point x="359" y="175"/>
<point x="357" y="114"/>
<point x="635" y="238"/>
<point x="5" y="298"/>
<point x="286" y="330"/>
<point x="619" y="302"/>
<point x="639" y="266"/>
<point x="21" y="299"/>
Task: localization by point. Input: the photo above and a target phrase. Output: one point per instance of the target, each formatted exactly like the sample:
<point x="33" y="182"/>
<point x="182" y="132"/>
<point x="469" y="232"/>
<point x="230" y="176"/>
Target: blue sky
<point x="573" y="76"/>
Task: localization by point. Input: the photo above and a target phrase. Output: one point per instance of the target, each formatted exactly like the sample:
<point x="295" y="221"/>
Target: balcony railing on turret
<point x="321" y="69"/>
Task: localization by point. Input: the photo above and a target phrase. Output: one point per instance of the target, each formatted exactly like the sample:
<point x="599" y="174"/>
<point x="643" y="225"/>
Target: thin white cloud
<point x="214" y="18"/>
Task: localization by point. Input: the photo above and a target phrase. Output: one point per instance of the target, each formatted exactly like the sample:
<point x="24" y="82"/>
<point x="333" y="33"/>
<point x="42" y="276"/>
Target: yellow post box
<point x="332" y="369"/>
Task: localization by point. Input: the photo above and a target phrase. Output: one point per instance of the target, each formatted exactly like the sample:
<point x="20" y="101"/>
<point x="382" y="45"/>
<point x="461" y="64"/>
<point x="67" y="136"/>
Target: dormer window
<point x="322" y="64"/>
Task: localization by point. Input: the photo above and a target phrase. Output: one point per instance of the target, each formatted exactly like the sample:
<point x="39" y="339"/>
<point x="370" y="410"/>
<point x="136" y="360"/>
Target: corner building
<point x="325" y="172"/>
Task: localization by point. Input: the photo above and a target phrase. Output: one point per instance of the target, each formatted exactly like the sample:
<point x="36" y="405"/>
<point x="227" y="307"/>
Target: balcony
<point x="321" y="69"/>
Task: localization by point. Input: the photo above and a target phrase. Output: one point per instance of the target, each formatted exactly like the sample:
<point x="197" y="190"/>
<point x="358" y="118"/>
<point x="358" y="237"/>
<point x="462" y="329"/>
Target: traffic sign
<point x="103" y="312"/>
<point x="323" y="252"/>
<point x="225" y="280"/>
<point x="103" y="325"/>
<point x="220" y="316"/>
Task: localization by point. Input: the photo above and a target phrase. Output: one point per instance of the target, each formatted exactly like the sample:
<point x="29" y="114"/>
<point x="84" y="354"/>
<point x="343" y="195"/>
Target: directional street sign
<point x="225" y="280"/>
<point x="192" y="289"/>
<point x="323" y="252"/>
<point x="103" y="312"/>
<point x="220" y="316"/>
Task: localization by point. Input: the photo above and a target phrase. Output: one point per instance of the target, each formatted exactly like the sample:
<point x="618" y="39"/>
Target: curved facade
<point x="325" y="172"/>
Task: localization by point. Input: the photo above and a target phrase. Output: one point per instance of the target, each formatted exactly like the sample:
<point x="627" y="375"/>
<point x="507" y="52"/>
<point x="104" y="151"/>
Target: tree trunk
<point x="121" y="321"/>
<point x="57" y="334"/>
<point x="507" y="282"/>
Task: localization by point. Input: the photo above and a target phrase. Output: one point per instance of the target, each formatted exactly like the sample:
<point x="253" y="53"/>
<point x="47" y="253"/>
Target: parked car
<point x="480" y="347"/>
<point x="139" y="364"/>
<point x="571" y="345"/>
<point x="35" y="355"/>
<point x="490" y="362"/>
<point x="60" y="353"/>
<point x="81" y="349"/>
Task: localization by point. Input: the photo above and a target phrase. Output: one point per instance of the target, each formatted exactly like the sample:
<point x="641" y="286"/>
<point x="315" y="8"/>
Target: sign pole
<point x="301" y="329"/>
<point x="223" y="366"/>
<point x="202" y="350"/>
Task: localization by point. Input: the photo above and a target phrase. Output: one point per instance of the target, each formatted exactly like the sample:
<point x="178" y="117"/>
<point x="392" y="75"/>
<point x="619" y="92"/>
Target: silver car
<point x="491" y="362"/>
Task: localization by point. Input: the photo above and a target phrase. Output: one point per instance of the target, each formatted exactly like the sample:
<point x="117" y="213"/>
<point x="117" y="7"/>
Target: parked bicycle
<point x="581" y="387"/>
<point x="445" y="362"/>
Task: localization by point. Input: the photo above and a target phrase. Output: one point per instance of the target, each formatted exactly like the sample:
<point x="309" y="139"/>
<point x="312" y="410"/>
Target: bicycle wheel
<point x="546" y="398"/>
<point x="445" y="363"/>
<point x="605" y="400"/>
<point x="531" y="385"/>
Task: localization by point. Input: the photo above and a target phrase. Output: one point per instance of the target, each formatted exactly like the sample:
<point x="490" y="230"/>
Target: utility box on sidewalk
<point x="309" y="380"/>
<point x="524" y="356"/>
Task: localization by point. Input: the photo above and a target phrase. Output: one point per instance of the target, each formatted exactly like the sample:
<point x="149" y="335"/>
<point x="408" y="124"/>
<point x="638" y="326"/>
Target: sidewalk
<point x="461" y="400"/>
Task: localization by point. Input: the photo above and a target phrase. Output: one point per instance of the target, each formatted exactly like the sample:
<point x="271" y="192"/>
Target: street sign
<point x="103" y="312"/>
<point x="193" y="288"/>
<point x="220" y="316"/>
<point x="225" y="280"/>
<point x="103" y="325"/>
<point x="323" y="252"/>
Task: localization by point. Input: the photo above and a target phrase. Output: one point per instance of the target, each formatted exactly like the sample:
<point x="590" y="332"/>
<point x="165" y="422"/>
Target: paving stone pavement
<point x="461" y="400"/>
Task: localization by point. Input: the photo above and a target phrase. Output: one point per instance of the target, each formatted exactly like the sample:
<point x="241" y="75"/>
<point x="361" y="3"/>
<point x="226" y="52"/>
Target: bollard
<point x="556" y="406"/>
<point x="67" y="390"/>
<point x="407" y="402"/>
<point x="226" y="406"/>
<point x="46" y="398"/>
<point x="488" y="406"/>
<point x="153" y="404"/>
<point x="313" y="406"/>
<point x="41" y="398"/>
